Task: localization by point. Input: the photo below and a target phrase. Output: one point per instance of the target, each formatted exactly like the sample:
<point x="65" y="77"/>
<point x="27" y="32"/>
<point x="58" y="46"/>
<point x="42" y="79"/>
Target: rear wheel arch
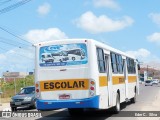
<point x="133" y="100"/>
<point x="118" y="91"/>
<point x="117" y="107"/>
<point x="135" y="89"/>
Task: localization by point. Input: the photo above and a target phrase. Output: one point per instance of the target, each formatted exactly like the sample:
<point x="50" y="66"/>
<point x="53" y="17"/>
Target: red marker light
<point x="37" y="90"/>
<point x="92" y="88"/>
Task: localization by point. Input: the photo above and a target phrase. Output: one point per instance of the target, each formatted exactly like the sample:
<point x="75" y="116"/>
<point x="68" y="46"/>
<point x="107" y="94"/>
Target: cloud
<point x="93" y="24"/>
<point x="155" y="37"/>
<point x="152" y="64"/>
<point x="140" y="53"/>
<point x="44" y="9"/>
<point x="22" y="59"/>
<point x="2" y="57"/>
<point x="40" y="35"/>
<point x="145" y="58"/>
<point x="155" y="17"/>
<point x="17" y="59"/>
<point x="143" y="55"/>
<point x="106" y="3"/>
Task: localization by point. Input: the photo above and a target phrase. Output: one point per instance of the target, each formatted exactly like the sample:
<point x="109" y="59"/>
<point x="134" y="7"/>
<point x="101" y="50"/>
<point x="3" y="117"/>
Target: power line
<point x="6" y="39"/>
<point x="14" y="35"/>
<point x="4" y="2"/>
<point x="10" y="44"/>
<point x="17" y="54"/>
<point x="14" y="6"/>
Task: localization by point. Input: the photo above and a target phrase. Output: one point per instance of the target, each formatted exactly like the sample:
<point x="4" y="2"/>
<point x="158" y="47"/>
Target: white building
<point x="15" y="74"/>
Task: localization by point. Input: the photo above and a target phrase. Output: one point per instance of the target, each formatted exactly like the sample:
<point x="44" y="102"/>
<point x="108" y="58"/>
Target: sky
<point x="130" y="26"/>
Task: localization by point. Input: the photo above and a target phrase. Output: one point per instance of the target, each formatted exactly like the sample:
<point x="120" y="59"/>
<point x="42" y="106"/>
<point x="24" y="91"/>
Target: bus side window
<point x="139" y="68"/>
<point x="101" y="61"/>
<point x="131" y="66"/>
<point x="123" y="66"/>
<point x="113" y="62"/>
<point x="119" y="64"/>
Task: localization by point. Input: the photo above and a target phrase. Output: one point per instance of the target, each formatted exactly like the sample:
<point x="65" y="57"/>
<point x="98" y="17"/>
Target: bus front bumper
<point x="92" y="102"/>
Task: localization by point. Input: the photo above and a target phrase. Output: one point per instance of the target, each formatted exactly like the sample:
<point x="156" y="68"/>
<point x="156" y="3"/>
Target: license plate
<point x="64" y="96"/>
<point x="17" y="103"/>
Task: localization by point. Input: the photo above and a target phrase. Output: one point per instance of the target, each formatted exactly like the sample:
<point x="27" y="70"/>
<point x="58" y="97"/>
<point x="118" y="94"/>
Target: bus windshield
<point x="63" y="55"/>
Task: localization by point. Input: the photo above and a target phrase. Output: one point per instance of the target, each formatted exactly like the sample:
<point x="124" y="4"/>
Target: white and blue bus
<point x="104" y="78"/>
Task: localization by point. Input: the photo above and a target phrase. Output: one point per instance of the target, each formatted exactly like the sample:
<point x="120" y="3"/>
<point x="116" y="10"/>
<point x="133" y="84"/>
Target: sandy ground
<point x="4" y="106"/>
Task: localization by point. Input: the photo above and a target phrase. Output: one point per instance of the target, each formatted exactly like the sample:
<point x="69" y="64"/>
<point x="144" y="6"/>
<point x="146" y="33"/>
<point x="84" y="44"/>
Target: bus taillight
<point x="92" y="82"/>
<point x="37" y="90"/>
<point x="37" y="85"/>
<point x="92" y="88"/>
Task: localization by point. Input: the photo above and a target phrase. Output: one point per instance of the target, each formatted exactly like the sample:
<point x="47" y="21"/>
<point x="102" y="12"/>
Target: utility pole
<point x="4" y="88"/>
<point x="1" y="92"/>
<point x="15" y="86"/>
<point x="154" y="69"/>
<point x="147" y="71"/>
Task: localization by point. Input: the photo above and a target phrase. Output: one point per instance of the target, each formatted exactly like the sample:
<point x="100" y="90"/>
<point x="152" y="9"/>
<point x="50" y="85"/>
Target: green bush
<point x="10" y="87"/>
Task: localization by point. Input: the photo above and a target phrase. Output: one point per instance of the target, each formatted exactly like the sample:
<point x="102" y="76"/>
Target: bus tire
<point x="117" y="107"/>
<point x="35" y="105"/>
<point x="75" y="111"/>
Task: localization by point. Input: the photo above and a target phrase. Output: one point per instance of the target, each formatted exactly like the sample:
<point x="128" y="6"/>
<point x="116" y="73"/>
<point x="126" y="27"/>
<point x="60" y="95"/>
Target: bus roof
<point x="98" y="43"/>
<point x="104" y="45"/>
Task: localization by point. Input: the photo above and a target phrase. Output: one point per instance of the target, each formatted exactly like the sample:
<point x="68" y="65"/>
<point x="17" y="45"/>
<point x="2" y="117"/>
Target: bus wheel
<point x="117" y="107"/>
<point x="35" y="105"/>
<point x="75" y="111"/>
<point x="133" y="100"/>
<point x="73" y="58"/>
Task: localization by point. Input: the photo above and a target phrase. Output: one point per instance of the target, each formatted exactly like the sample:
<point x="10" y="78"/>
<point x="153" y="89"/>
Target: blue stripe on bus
<point x="92" y="102"/>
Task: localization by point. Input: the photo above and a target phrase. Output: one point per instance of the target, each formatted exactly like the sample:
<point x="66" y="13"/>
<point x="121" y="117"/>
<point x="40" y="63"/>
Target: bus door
<point x="125" y="78"/>
<point x="109" y="77"/>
